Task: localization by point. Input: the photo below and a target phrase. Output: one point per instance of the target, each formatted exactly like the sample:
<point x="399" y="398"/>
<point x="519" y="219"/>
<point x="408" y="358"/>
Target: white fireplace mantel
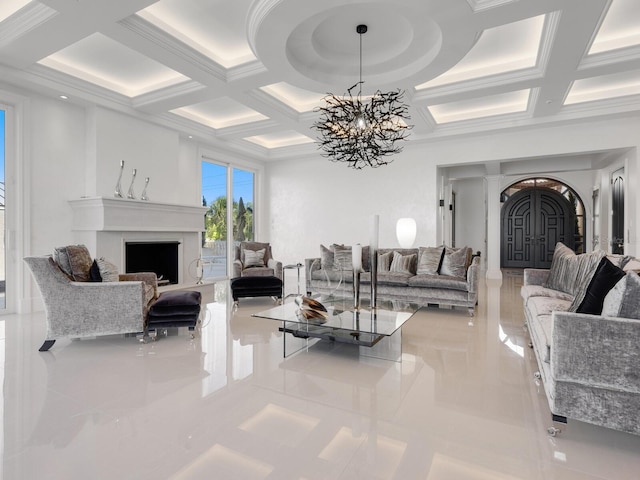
<point x="102" y="214"/>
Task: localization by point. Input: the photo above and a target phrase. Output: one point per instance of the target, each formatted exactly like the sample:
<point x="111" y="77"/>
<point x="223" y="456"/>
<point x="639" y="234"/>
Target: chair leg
<point x="46" y="345"/>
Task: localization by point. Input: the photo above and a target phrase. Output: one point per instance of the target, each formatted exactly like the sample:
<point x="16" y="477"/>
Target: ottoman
<point x="174" y="309"/>
<point x="266" y="286"/>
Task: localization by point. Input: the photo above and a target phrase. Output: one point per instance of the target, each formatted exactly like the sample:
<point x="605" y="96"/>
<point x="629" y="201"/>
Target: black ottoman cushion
<point x="256" y="287"/>
<point x="175" y="309"/>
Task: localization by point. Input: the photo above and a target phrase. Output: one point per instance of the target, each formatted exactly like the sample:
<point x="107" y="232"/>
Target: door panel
<point x="617" y="212"/>
<point x="533" y="221"/>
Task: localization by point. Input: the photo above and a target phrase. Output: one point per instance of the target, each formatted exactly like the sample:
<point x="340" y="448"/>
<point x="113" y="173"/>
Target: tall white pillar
<point x="493" y="226"/>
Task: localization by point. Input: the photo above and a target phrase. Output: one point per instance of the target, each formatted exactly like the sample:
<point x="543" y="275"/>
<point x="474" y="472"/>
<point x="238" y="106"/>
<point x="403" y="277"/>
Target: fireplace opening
<point x="158" y="257"/>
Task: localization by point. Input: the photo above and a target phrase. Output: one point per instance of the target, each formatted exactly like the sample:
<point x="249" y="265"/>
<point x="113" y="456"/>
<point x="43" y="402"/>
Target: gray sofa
<point x="589" y="363"/>
<point x="441" y="282"/>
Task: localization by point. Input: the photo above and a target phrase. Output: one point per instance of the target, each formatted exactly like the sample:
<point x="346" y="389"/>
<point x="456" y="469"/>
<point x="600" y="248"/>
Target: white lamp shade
<point x="406" y="232"/>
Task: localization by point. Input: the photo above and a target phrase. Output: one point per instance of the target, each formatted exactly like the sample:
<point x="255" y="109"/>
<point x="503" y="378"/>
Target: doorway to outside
<point x="536" y="214"/>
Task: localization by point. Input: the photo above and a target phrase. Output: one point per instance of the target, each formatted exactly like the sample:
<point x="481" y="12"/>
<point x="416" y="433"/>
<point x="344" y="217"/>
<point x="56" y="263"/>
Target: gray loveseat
<point x="582" y="316"/>
<point x="425" y="275"/>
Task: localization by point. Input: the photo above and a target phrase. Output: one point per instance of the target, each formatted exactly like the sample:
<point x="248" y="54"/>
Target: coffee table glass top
<point x="384" y="320"/>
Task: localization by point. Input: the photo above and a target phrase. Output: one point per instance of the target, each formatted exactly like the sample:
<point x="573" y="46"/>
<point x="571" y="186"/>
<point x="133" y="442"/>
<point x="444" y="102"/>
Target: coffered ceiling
<point x="246" y="75"/>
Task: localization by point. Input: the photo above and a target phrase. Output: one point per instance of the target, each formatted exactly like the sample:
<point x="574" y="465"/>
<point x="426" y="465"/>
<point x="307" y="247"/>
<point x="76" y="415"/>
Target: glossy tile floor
<point x="461" y="405"/>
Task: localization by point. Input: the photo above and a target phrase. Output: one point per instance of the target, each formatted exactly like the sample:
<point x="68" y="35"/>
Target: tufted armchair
<point x="254" y="259"/>
<point x="76" y="309"/>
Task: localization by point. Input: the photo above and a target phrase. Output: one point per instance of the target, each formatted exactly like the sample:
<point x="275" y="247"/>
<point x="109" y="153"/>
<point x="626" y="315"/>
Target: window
<point x="229" y="194"/>
<point x="3" y="303"/>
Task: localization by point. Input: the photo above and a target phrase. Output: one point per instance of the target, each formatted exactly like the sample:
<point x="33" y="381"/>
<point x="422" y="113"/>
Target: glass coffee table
<point x="378" y="332"/>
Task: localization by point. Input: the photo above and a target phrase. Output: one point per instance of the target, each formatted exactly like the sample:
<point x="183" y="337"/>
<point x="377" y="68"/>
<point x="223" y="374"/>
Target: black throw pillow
<point x="94" y="273"/>
<point x="605" y="278"/>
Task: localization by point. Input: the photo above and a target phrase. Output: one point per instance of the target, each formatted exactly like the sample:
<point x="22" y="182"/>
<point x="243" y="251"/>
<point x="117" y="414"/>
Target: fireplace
<point x="158" y="257"/>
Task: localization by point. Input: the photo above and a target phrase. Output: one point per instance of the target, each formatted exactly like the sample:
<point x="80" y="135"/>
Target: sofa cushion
<point x="545" y="305"/>
<point x="403" y="263"/>
<point x="429" y="260"/>
<point x="527" y="291"/>
<point x="258" y="272"/>
<point x="623" y="300"/>
<point x="393" y="278"/>
<point x="438" y="281"/>
<point x="331" y="275"/>
<point x="454" y="262"/>
<point x="606" y="276"/>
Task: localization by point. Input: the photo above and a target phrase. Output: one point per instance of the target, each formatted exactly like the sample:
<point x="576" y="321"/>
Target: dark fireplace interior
<point x="158" y="257"/>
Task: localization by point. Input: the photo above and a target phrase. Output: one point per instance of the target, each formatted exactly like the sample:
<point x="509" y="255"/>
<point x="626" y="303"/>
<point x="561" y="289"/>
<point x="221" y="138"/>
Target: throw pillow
<point x="587" y="264"/>
<point x="384" y="261"/>
<point x="623" y="300"/>
<point x="342" y="259"/>
<point x="108" y="271"/>
<point x="429" y="260"/>
<point x="254" y="258"/>
<point x="326" y="258"/>
<point x="80" y="262"/>
<point x="94" y="272"/>
<point x="605" y="278"/>
<point x="403" y="263"/>
<point x="454" y="263"/>
<point x="562" y="274"/>
<point x="62" y="259"/>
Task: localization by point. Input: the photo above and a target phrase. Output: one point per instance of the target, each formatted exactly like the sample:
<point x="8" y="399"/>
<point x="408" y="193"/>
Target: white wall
<point x="313" y="202"/>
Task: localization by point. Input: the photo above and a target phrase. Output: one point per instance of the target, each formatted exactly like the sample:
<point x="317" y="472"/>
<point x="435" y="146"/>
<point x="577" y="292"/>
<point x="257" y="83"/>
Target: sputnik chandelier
<point x="362" y="131"/>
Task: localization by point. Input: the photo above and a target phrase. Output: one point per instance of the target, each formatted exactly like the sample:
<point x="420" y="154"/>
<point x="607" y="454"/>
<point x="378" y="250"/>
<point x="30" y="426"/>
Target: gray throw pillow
<point x="454" y="262"/>
<point x="108" y="271"/>
<point x="587" y="266"/>
<point x="326" y="258"/>
<point x="384" y="261"/>
<point x="429" y="259"/>
<point x="623" y="300"/>
<point x="342" y="259"/>
<point x="254" y="258"/>
<point x="403" y="263"/>
<point x="563" y="271"/>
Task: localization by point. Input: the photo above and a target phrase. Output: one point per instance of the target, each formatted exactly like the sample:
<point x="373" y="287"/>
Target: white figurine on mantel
<point x="144" y="192"/>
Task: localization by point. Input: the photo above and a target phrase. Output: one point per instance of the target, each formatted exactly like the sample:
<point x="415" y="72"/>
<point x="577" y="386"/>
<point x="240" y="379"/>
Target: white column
<point x="493" y="226"/>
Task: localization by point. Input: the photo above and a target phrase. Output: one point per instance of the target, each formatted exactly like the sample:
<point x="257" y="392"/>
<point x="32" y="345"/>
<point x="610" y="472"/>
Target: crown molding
<point x="167" y="93"/>
<point x="31" y="16"/>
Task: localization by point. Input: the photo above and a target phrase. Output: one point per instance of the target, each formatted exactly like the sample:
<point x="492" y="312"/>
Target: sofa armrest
<point x="310" y="266"/>
<point x="149" y="278"/>
<point x="472" y="275"/>
<point x="536" y="276"/>
<point x="277" y="267"/>
<point x="596" y="350"/>
<point x="236" y="268"/>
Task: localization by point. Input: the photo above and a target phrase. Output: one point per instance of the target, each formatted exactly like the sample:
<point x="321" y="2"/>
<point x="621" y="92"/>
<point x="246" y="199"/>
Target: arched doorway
<point x="617" y="212"/>
<point x="537" y="214"/>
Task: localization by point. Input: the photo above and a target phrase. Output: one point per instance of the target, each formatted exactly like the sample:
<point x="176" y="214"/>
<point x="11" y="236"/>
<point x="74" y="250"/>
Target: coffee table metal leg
<point x="388" y="348"/>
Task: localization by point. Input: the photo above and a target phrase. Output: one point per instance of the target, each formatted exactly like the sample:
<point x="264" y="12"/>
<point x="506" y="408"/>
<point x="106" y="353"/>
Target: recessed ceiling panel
<point x="9" y="7"/>
<point x="220" y="113"/>
<point x="620" y="28"/>
<point x="504" y="103"/>
<point x="278" y="140"/>
<point x="296" y="98"/>
<point x="501" y="49"/>
<point x="99" y="60"/>
<point x="209" y="26"/>
<point x="604" y="87"/>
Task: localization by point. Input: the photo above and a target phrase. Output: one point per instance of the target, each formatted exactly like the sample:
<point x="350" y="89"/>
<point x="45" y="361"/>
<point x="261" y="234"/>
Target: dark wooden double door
<point x="533" y="221"/>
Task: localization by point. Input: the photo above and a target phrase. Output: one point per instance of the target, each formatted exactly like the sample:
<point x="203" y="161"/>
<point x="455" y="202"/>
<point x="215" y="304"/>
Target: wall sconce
<point x="406" y="232"/>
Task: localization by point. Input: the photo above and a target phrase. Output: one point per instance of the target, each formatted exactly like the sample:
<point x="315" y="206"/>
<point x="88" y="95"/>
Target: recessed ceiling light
<point x="190" y="136"/>
<point x="64" y="97"/>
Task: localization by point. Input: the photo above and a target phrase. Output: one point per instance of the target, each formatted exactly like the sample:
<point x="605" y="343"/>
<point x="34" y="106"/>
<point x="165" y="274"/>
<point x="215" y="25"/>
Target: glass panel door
<point x="214" y="243"/>
<point x="3" y="270"/>
<point x="242" y="206"/>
